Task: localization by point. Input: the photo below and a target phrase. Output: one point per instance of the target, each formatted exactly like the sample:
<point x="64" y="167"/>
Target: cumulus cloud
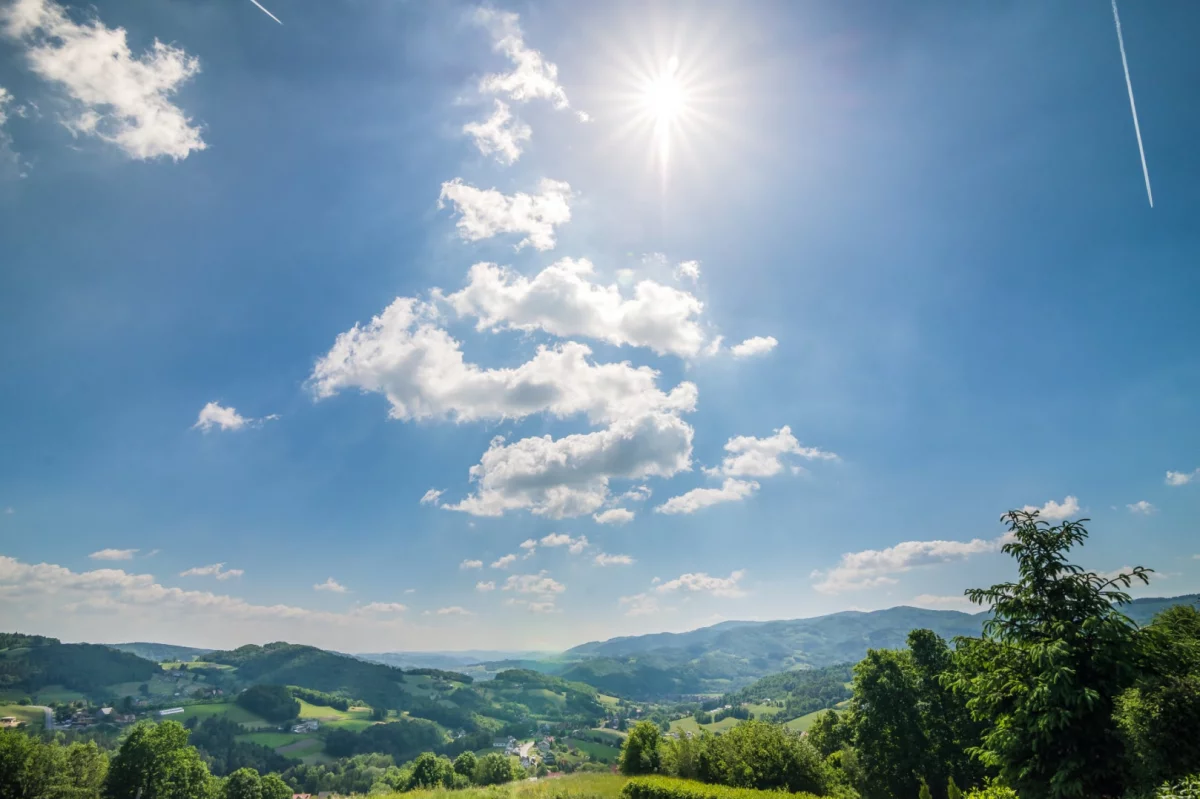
<point x="573" y="545"/>
<point x="875" y="567"/>
<point x="484" y="213"/>
<point x="758" y="345"/>
<point x="113" y="554"/>
<point x="732" y="490"/>
<point x="453" y="610"/>
<point x="485" y="585"/>
<point x="532" y="76"/>
<point x="605" y="559"/>
<point x="637" y="494"/>
<point x="471" y="564"/>
<point x="1182" y="478"/>
<point x="763" y="457"/>
<point x="614" y="516"/>
<point x="8" y="156"/>
<point x="500" y="134"/>
<point x="216" y="570"/>
<point x="952" y="602"/>
<point x="529" y="544"/>
<point x="504" y="562"/>
<point x="569" y="476"/>
<point x="640" y="605"/>
<point x="214" y="415"/>
<point x="701" y="583"/>
<point x="431" y="496"/>
<point x="118" y="97"/>
<point x="1142" y="506"/>
<point x="332" y="585"/>
<point x="541" y="583"/>
<point x="1054" y="511"/>
<point x="420" y="368"/>
<point x="565" y="300"/>
<point x="688" y="269"/>
<point x="382" y="607"/>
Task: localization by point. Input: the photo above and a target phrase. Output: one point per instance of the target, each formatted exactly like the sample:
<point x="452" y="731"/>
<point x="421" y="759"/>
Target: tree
<point x="945" y="719"/>
<point x="243" y="784"/>
<point x="766" y="757"/>
<point x="1052" y="657"/>
<point x="924" y="792"/>
<point x="156" y="761"/>
<point x="466" y="763"/>
<point x="84" y="767"/>
<point x="829" y="733"/>
<point x="431" y="771"/>
<point x="494" y="769"/>
<point x="27" y="767"/>
<point x="640" y="752"/>
<point x="273" y="787"/>
<point x="274" y="703"/>
<point x="888" y="733"/>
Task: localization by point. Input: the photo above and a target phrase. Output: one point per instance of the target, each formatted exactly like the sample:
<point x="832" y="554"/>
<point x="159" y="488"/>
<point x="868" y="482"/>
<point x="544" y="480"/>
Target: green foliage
<point x="32" y="769"/>
<point x="35" y="662"/>
<point x="803" y="690"/>
<point x="216" y="738"/>
<point x="494" y="769"/>
<point x="402" y="739"/>
<point x="924" y="793"/>
<point x="952" y="790"/>
<point x="274" y="703"/>
<point x="466" y="764"/>
<point x="830" y="733"/>
<point x="156" y="761"/>
<point x="640" y="752"/>
<point x="431" y="771"/>
<point x="993" y="790"/>
<point x="659" y="787"/>
<point x="763" y="756"/>
<point x="320" y="698"/>
<point x="1187" y="788"/>
<point x="273" y="787"/>
<point x="1052" y="658"/>
<point x="888" y="732"/>
<point x="243" y="784"/>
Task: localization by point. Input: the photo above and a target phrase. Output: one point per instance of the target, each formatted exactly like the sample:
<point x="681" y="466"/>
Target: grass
<point x="595" y="751"/>
<point x="231" y="711"/>
<point x="355" y="719"/>
<point x="57" y="693"/>
<point x="764" y="711"/>
<point x="271" y="739"/>
<point x="572" y="786"/>
<point x="805" y="722"/>
<point x="615" y="736"/>
<point x="689" y="725"/>
<point x="33" y="716"/>
<point x="608" y="701"/>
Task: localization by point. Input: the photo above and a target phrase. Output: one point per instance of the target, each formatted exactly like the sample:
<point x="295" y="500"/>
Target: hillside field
<point x="233" y="712"/>
<point x="689" y="725"/>
<point x="33" y="716"/>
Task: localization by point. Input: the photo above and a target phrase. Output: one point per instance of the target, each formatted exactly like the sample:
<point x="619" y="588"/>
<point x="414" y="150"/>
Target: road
<point x="525" y="748"/>
<point x="49" y="716"/>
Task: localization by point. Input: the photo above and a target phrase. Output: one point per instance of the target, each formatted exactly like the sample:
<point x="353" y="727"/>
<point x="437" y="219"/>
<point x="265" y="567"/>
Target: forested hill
<point x="160" y="652"/>
<point x="29" y="663"/>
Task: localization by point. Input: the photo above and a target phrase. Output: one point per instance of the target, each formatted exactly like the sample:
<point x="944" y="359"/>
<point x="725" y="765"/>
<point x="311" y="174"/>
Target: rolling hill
<point x="160" y="652"/>
<point x="29" y="664"/>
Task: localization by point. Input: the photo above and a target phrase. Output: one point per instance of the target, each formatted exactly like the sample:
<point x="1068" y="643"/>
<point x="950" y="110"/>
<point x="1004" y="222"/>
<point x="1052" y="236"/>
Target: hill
<point x="160" y="652"/>
<point x="31" y="663"/>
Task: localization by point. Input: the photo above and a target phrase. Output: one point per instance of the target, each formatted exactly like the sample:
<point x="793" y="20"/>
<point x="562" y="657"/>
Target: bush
<point x="494" y="769"/>
<point x="993" y="790"/>
<point x="672" y="788"/>
<point x="1187" y="788"/>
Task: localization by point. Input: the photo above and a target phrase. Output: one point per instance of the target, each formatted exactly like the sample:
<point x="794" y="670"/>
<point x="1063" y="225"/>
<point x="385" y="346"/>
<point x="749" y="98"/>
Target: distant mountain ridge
<point x="160" y="652"/>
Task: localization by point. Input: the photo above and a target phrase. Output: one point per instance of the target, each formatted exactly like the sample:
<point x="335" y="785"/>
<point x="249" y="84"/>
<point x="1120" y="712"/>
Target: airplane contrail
<point x="277" y="19"/>
<point x="1132" y="106"/>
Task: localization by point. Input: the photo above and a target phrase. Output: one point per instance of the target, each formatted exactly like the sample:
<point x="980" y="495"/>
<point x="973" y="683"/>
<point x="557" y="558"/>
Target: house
<point x="105" y="713"/>
<point x="306" y="726"/>
<point x="499" y="743"/>
<point x="9" y="721"/>
<point x="302" y="796"/>
<point x="125" y="718"/>
<point x="171" y="711"/>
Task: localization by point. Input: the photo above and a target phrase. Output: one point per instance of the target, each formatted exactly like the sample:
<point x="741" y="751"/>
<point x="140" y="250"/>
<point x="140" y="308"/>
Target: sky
<point x="380" y="326"/>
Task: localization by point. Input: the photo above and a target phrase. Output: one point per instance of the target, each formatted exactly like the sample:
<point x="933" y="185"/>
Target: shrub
<point x="672" y="788"/>
<point x="1187" y="788"/>
<point x="993" y="790"/>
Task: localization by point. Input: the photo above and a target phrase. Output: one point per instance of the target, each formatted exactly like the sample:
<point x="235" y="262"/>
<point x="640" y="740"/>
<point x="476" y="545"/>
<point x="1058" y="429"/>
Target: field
<point x="56" y="693"/>
<point x="805" y="722"/>
<point x="689" y="725"/>
<point x="231" y="711"/>
<point x="764" y="711"/>
<point x="33" y="716"/>
<point x="608" y="701"/>
<point x="616" y="737"/>
<point x="271" y="739"/>
<point x="355" y="719"/>
<point x="598" y="752"/>
<point x="572" y="786"/>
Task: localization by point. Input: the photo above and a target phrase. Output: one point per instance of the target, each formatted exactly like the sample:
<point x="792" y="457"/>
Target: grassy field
<point x="355" y="719"/>
<point x="572" y="786"/>
<point x="271" y="739"/>
<point x="233" y="712"/>
<point x="56" y="693"/>
<point x="33" y="716"/>
<point x="599" y="752"/>
<point x="608" y="701"/>
<point x="615" y="736"/>
<point x="689" y="725"/>
<point x="764" y="711"/>
<point x="804" y="722"/>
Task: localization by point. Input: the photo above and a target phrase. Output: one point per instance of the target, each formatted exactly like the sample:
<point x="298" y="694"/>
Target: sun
<point x="664" y="95"/>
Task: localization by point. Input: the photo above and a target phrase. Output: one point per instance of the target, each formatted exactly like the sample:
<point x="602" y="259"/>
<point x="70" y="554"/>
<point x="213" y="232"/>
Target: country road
<point x="524" y="749"/>
<point x="49" y="716"/>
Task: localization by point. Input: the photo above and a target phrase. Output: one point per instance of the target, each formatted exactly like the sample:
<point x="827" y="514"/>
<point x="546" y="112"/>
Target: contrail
<point x="277" y="19"/>
<point x="1132" y="106"/>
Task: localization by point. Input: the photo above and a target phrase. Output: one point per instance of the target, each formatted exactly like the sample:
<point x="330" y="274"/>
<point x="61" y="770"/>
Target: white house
<point x="170" y="711"/>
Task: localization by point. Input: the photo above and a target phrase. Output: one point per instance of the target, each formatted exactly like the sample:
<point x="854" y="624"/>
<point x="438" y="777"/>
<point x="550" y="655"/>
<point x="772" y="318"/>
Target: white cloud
<point x="420" y="368"/>
<point x="9" y="511"/>
<point x="120" y="98"/>
<point x="529" y="544"/>
<point x="565" y="300"/>
<point x="330" y="584"/>
<point x="958" y="602"/>
<point x="453" y="610"/>
<point x="1143" y="507"/>
<point x="573" y="545"/>
<point x="485" y="585"/>
<point x="637" y="494"/>
<point x="217" y="570"/>
<point x="1182" y="478"/>
<point x="412" y="590"/>
<point x="614" y="516"/>
<point x="471" y="564"/>
<point x="569" y="476"/>
<point x="875" y="567"/>
<point x="1053" y="510"/>
<point x="583" y="116"/>
<point x="504" y="562"/>
<point x="605" y="559"/>
<point x="732" y="490"/>
<point x="702" y="583"/>
<point x="431" y="496"/>
<point x="758" y="345"/>
<point x="540" y="583"/>
<point x="763" y="457"/>
<point x="688" y="269"/>
<point x="114" y="554"/>
<point x="8" y="156"/>
<point x="213" y="415"/>
<point x="484" y="213"/>
<point x="641" y="605"/>
<point x="382" y="607"/>
<point x="532" y="77"/>
<point x="500" y="134"/>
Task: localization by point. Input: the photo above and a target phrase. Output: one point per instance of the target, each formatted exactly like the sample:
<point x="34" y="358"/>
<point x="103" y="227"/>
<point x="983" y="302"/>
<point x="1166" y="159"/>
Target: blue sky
<point x="896" y="274"/>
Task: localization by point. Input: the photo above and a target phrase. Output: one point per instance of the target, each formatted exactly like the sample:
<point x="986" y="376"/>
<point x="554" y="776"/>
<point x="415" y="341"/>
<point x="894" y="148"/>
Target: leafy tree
<point x="466" y="763"/>
<point x="243" y="784"/>
<point x="27" y="766"/>
<point x="640" y="752"/>
<point x="494" y="769"/>
<point x="952" y="790"/>
<point x="84" y="767"/>
<point x="273" y="787"/>
<point x="924" y="792"/>
<point x="829" y="733"/>
<point x="1053" y="656"/>
<point x="888" y="732"/>
<point x="274" y="703"/>
<point x="156" y="761"/>
<point x="767" y="757"/>
<point x="431" y="771"/>
<point x="949" y="729"/>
